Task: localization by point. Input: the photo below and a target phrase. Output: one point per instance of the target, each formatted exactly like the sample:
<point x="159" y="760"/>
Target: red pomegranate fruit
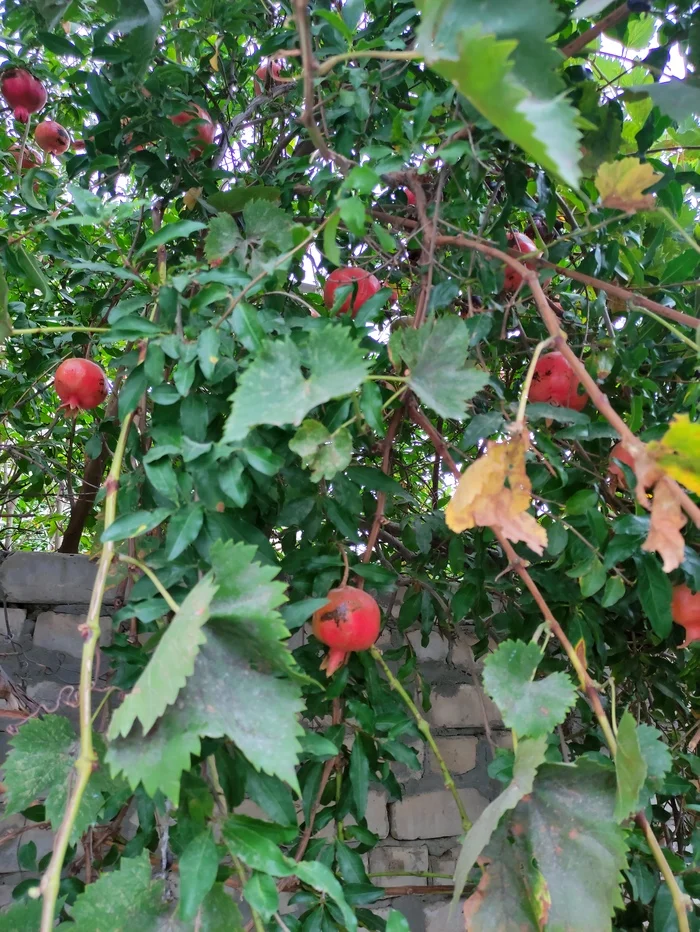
<point x="23" y="92"/>
<point x="271" y="68"/>
<point x="621" y="453"/>
<point x="349" y="621"/>
<point x="81" y="385"/>
<point x="524" y="244"/>
<point x="410" y="197"/>
<point x="205" y="130"/>
<point x="30" y="158"/>
<point x="52" y="137"/>
<point x="366" y="286"/>
<point x="555" y="383"/>
<point x="685" y="611"/>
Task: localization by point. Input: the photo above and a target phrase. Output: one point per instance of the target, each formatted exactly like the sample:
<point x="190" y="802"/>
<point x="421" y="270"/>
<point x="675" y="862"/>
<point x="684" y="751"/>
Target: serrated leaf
<point x="677" y="99"/>
<point x="168" y="233"/>
<point x="223" y="237"/>
<point x="199" y="863"/>
<point x="498" y="57"/>
<point x="41" y="762"/>
<point x="658" y="760"/>
<point x="621" y="184"/>
<point x="274" y="389"/>
<point x="630" y="768"/>
<point x="225" y="697"/>
<point x="528" y="757"/>
<point x="435" y="355"/>
<point x="324" y="453"/>
<point x="530" y="707"/>
<point x="25" y="916"/>
<point x="126" y="898"/>
<point x="170" y="665"/>
<point x="234" y="200"/>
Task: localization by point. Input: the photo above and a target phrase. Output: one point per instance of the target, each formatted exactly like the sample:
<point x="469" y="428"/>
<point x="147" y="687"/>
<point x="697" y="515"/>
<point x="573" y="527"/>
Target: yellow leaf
<point x="678" y="452"/>
<point x="495" y="492"/>
<point x="620" y="184"/>
<point x="667" y="519"/>
<point x="191" y="197"/>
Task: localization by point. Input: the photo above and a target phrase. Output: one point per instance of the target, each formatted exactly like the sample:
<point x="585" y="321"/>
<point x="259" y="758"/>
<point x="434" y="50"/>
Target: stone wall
<point x="45" y="598"/>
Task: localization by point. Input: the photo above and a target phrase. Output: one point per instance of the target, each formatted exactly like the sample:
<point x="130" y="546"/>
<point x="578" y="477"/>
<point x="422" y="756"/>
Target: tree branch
<point x="619" y="14"/>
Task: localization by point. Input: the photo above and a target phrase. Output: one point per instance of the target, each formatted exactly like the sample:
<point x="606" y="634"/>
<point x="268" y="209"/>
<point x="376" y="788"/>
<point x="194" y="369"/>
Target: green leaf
<point x="234" y="200"/>
<point x="654" y="593"/>
<point x="677" y="99"/>
<point x="22" y="917"/>
<point x="32" y="271"/>
<point x="225" y="697"/>
<point x="223" y="237"/>
<point x="274" y="389"/>
<point x="41" y="762"/>
<point x="498" y="57"/>
<point x="183" y="530"/>
<point x="246" y="326"/>
<point x="657" y="758"/>
<point x="170" y="231"/>
<point x="171" y="663"/>
<point x="530" y="707"/>
<point x="352" y="213"/>
<point x="208" y="351"/>
<point x="321" y="878"/>
<point x="324" y="453"/>
<point x="135" y="524"/>
<point x="528" y="757"/>
<point x="139" y="22"/>
<point x="630" y="768"/>
<point x="234" y="482"/>
<point x="613" y="592"/>
<point x="593" y="579"/>
<point x="330" y="245"/>
<point x="132" y="391"/>
<point x="435" y="355"/>
<point x="255" y="850"/>
<point x="260" y="892"/>
<point x="199" y="863"/>
<point x="122" y="899"/>
<point x="218" y="912"/>
<point x="396" y="922"/>
<point x="359" y="776"/>
<point x="5" y="319"/>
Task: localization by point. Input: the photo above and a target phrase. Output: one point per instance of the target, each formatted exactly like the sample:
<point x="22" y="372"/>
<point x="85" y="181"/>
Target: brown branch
<point x="79" y="513"/>
<point x="619" y="14"/>
<point x="381" y="496"/>
<point x="16" y="832"/>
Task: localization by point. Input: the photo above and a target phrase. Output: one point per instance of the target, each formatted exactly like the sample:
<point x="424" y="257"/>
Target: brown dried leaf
<point x="495" y="492"/>
<point x="667" y="519"/>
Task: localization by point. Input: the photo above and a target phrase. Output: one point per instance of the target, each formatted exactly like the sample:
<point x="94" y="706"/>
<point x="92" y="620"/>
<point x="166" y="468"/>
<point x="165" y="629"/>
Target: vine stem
<point x="525" y="392"/>
<point x="677" y="896"/>
<point x="424" y="729"/>
<point x="147" y="571"/>
<point x="86" y="762"/>
<point x="26" y="331"/>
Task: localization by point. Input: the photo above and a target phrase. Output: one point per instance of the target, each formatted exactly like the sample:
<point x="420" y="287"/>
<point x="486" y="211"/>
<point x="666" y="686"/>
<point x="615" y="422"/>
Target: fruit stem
<point x="424" y="729"/>
<point x="87" y="760"/>
<point x="520" y="419"/>
<point x="346" y="565"/>
<point x="23" y="146"/>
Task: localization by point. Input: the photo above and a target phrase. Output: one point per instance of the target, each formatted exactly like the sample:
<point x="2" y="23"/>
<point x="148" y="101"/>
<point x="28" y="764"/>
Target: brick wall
<point x="45" y="597"/>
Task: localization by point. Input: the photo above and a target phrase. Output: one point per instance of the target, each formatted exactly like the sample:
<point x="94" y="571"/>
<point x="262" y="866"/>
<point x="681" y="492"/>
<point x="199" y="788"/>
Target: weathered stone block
<point x="458" y="753"/>
<point x="433" y="814"/>
<point x="15" y="619"/>
<point x="437" y="918"/>
<point x="48" y="578"/>
<point x="60" y="633"/>
<point x="436" y="649"/>
<point x="406" y="859"/>
<point x="42" y="838"/>
<point x="461" y="708"/>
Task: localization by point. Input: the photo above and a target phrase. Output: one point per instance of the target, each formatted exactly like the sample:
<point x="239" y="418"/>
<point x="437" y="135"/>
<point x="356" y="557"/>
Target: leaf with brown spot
<point x="667" y="519"/>
<point x="621" y="184"/>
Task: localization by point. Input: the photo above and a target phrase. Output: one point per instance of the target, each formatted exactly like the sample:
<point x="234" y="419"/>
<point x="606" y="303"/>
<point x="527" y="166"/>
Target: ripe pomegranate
<point x="349" y="621"/>
<point x="410" y="197"/>
<point x="23" y="92"/>
<point x="272" y="69"/>
<point x="30" y="159"/>
<point x="80" y="384"/>
<point x="621" y="453"/>
<point x="205" y="130"/>
<point x="52" y="137"/>
<point x="685" y="611"/>
<point x="554" y="382"/>
<point x="367" y="285"/>
<point x="524" y="244"/>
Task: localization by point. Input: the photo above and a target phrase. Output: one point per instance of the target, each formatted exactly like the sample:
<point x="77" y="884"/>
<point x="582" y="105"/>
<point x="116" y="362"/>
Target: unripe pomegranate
<point x="80" y="384"/>
<point x="52" y="137"/>
<point x="23" y="92"/>
<point x="349" y="621"/>
<point x="30" y="158"/>
<point x="367" y="285"/>
<point x="685" y="611"/>
<point x="205" y="130"/>
<point x="272" y="69"/>
<point x="555" y="383"/>
<point x="621" y="453"/>
<point x="524" y="244"/>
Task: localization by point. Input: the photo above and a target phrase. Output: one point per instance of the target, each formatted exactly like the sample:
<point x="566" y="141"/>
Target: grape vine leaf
<point x="274" y="389"/>
<point x="630" y="767"/>
<point x="172" y="662"/>
<point x="496" y="54"/>
<point x="528" y="757"/>
<point x="224" y="697"/>
<point x="677" y="98"/>
<point x="21" y="917"/>
<point x="435" y="356"/>
<point x="657" y="757"/>
<point x="43" y="755"/>
<point x="325" y="453"/>
<point x="268" y="233"/>
<point x="530" y="707"/>
<point x="126" y="898"/>
<point x="566" y="826"/>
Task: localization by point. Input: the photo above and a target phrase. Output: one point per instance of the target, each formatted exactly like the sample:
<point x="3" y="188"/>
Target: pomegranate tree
<point x="555" y="383"/>
<point x="365" y="285"/>
<point x="349" y="621"/>
<point x="685" y="611"/>
<point x="52" y="137"/>
<point x="81" y="385"/>
<point x="23" y="92"/>
<point x="521" y="242"/>
<point x="204" y="131"/>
